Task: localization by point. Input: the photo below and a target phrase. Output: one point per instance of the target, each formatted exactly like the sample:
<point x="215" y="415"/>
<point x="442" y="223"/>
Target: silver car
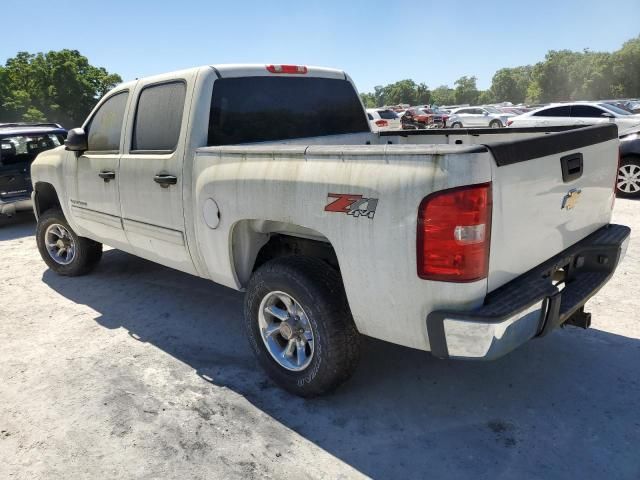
<point x="478" y="117"/>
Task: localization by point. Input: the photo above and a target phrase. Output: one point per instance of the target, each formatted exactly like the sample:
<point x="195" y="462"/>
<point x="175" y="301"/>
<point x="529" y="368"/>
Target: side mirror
<point x="607" y="115"/>
<point x="76" y="140"/>
<point x="485" y="114"/>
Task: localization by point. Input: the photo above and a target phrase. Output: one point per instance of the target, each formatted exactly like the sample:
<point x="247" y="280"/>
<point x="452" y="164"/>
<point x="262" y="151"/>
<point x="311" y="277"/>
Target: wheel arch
<point x="45" y="198"/>
<point x="255" y="242"/>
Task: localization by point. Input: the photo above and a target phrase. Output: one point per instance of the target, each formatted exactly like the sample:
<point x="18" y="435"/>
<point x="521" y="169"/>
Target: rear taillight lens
<point x="454" y="228"/>
<point x="287" y="69"/>
<point x="509" y="123"/>
<point x="382" y="123"/>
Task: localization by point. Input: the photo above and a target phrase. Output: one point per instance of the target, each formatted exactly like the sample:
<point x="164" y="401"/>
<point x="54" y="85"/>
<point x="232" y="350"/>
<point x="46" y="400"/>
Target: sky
<point x="376" y="42"/>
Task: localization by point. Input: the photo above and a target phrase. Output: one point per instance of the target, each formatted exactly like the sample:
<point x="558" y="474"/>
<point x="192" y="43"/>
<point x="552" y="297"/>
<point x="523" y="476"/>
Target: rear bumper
<point x="531" y="305"/>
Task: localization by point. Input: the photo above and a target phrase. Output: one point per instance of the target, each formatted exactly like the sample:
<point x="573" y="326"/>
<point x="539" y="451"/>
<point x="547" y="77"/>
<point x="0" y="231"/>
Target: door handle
<point x="165" y="180"/>
<point x="107" y="176"/>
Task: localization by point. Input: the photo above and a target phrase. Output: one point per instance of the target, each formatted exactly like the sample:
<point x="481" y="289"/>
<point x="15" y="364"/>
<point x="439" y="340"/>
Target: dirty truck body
<point x="465" y="243"/>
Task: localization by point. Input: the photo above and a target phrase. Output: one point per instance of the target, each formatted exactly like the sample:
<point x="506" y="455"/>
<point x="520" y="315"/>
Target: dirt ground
<point x="138" y="371"/>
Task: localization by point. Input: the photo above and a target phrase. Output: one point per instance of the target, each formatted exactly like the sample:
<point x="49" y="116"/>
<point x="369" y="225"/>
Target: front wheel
<point x="628" y="181"/>
<point x="299" y="325"/>
<point x="62" y="249"/>
<point x="495" y="124"/>
<point x="456" y="125"/>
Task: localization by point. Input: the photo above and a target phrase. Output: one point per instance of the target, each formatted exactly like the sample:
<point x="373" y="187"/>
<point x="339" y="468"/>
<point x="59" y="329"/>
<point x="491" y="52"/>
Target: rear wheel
<point x="62" y="249"/>
<point x="456" y="125"/>
<point x="299" y="325"/>
<point x="495" y="124"/>
<point x="628" y="181"/>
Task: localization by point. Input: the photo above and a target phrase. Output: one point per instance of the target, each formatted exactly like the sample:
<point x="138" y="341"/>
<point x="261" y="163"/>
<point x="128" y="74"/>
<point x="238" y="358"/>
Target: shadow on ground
<point x="20" y="225"/>
<point x="565" y="406"/>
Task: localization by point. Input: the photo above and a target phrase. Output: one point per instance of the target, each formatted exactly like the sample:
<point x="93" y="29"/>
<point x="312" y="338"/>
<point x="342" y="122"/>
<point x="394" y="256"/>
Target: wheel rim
<point x="629" y="178"/>
<point x="60" y="244"/>
<point x="286" y="331"/>
<point x="495" y="125"/>
<point x="456" y="125"/>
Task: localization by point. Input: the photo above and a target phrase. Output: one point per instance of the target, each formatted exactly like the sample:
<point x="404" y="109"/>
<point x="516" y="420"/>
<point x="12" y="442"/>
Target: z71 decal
<point x="354" y="205"/>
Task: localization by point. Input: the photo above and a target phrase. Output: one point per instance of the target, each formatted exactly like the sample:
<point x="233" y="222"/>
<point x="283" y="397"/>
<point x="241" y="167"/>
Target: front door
<point x="150" y="176"/>
<point x="94" y="199"/>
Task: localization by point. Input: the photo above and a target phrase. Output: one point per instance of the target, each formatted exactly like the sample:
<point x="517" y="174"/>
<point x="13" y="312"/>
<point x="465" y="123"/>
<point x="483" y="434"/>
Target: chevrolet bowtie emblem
<point x="571" y="198"/>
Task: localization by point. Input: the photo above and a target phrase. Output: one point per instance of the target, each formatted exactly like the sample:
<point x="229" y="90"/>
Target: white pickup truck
<point x="267" y="178"/>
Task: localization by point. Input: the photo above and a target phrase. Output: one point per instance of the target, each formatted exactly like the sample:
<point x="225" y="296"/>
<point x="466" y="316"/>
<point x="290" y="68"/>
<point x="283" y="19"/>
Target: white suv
<point x="382" y="119"/>
<point x="478" y="117"/>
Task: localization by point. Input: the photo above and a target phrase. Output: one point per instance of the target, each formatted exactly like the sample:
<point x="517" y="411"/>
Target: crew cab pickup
<point x="267" y="179"/>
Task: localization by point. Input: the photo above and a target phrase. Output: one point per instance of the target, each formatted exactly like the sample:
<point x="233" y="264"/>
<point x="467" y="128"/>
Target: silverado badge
<point x="571" y="198"/>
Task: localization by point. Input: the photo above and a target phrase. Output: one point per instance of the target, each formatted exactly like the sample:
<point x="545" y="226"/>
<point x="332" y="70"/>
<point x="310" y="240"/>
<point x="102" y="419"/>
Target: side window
<point x="554" y="112"/>
<point x="464" y="110"/>
<point x="105" y="127"/>
<point x="159" y="117"/>
<point x="586" y="111"/>
<point x="370" y="116"/>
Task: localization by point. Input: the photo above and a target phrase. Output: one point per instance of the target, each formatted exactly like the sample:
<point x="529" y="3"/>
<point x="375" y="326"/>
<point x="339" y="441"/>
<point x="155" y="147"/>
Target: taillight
<point x="509" y="123"/>
<point x="290" y="69"/>
<point x="615" y="179"/>
<point x="454" y="228"/>
<point x="382" y="123"/>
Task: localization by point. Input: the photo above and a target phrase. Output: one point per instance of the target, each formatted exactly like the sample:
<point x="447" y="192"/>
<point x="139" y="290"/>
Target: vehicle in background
<point x="486" y="116"/>
<point x="577" y="113"/>
<point x="438" y="118"/>
<point x="382" y="119"/>
<point x="513" y="110"/>
<point x="20" y="143"/>
<point x="415" y="119"/>
<point x="628" y="181"/>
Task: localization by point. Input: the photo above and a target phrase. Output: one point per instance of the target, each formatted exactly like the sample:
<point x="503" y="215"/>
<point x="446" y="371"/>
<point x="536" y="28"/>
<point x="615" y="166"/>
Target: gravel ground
<point x="138" y="371"/>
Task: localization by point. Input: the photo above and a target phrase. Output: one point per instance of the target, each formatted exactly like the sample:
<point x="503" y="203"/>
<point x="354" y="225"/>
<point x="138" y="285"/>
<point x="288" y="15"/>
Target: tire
<point x="77" y="255"/>
<point x="331" y="342"/>
<point x="456" y="125"/>
<point x="495" y="124"/>
<point x="628" y="179"/>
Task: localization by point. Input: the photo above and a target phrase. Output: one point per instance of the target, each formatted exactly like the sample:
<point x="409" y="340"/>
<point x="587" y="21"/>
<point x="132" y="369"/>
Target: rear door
<point x="94" y="197"/>
<point x="539" y="211"/>
<point x="150" y="176"/>
<point x="553" y="116"/>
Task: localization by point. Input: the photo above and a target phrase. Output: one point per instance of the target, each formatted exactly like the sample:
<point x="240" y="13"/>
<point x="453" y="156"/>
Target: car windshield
<point x="25" y="148"/>
<point x="614" y="109"/>
<point x="387" y="114"/>
<point x="492" y="110"/>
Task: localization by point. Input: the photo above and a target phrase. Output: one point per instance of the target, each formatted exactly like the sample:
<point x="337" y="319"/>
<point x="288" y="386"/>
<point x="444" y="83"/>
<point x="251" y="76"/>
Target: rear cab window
<point x="263" y="109"/>
<point x="158" y="118"/>
<point x="24" y="148"/>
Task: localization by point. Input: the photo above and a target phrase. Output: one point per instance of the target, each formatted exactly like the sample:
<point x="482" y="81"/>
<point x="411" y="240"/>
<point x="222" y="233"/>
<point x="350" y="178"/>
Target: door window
<point x="586" y="111"/>
<point x="158" y="118"/>
<point x="105" y="128"/>
<point x="553" y="112"/>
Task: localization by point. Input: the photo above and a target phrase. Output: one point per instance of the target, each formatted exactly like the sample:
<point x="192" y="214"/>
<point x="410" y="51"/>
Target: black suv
<point x="20" y="143"/>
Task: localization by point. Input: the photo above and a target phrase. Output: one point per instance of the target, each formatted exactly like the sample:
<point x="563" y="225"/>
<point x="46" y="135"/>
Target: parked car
<point x="577" y="113"/>
<point x="478" y="117"/>
<point x="628" y="181"/>
<point x="268" y="179"/>
<point x="382" y="119"/>
<point x="20" y="143"/>
<point x="414" y="118"/>
<point x="438" y="118"/>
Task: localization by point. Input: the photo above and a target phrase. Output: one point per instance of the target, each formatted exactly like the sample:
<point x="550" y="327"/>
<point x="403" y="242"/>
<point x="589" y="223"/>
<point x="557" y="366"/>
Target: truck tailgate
<point x="539" y="210"/>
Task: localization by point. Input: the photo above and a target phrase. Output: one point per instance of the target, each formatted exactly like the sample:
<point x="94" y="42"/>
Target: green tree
<point x="443" y="95"/>
<point x="58" y="86"/>
<point x="511" y="84"/>
<point x="466" y="90"/>
<point x="626" y="69"/>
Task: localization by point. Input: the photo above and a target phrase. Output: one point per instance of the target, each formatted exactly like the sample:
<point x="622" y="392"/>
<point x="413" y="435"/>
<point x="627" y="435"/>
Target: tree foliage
<point x="562" y="75"/>
<point x="57" y="86"/>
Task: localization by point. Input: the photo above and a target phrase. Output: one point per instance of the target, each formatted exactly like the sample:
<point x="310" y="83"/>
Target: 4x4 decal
<point x="351" y="204"/>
